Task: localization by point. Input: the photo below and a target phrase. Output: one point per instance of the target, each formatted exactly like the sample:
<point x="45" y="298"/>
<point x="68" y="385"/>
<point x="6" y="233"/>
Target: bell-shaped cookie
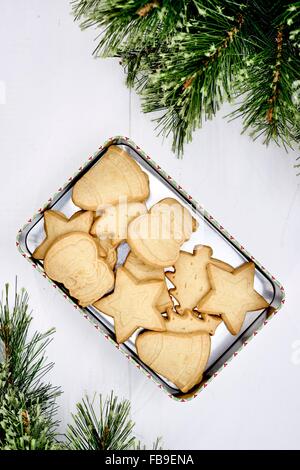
<point x="115" y="178"/>
<point x="179" y="357"/>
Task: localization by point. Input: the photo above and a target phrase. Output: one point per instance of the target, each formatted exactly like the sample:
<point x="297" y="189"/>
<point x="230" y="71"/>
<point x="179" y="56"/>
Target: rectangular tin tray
<point x="224" y="346"/>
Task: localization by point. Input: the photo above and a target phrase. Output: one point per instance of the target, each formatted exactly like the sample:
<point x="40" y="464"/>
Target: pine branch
<point x="136" y="23"/>
<point x="186" y="58"/>
<point x="195" y="74"/>
<point x="102" y="426"/>
<point x="270" y="105"/>
<point x="156" y="445"/>
<point x="110" y="431"/>
<point x="27" y="405"/>
<point x="291" y="19"/>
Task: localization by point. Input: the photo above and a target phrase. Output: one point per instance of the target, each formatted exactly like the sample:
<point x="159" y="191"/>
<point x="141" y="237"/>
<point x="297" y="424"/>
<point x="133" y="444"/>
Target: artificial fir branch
<point x="132" y="23"/>
<point x="131" y="29"/>
<point x="144" y="10"/>
<point x="291" y="18"/>
<point x="276" y="76"/>
<point x="108" y="428"/>
<point x="194" y="74"/>
<point x="27" y="405"/>
<point x="104" y="425"/>
<point x="229" y="37"/>
<point x="186" y="57"/>
<point x="269" y="105"/>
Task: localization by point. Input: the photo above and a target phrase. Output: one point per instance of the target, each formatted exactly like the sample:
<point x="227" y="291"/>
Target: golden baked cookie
<point x="132" y="305"/>
<point x="232" y="295"/>
<point x="181" y="358"/>
<point x="57" y="224"/>
<point x="115" y="178"/>
<point x="190" y="277"/>
<point x="191" y="322"/>
<point x="144" y="272"/>
<point x="107" y="251"/>
<point x="113" y="222"/>
<point x="74" y="261"/>
<point x="181" y="352"/>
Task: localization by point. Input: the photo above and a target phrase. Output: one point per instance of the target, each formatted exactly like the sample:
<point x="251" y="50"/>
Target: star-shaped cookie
<point x="145" y="272"/>
<point x="232" y="295"/>
<point x="132" y="305"/>
<point x="57" y="224"/>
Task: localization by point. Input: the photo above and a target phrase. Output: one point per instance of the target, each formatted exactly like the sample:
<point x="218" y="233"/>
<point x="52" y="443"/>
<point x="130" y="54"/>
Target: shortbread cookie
<point x="232" y="295"/>
<point x="107" y="251"/>
<point x="57" y="224"/>
<point x="101" y="251"/>
<point x="144" y="272"/>
<point x="115" y="177"/>
<point x="190" y="276"/>
<point x="132" y="305"/>
<point x="179" y="357"/>
<point x="190" y="322"/>
<point x="74" y="261"/>
<point x="156" y="237"/>
<point x="112" y="224"/>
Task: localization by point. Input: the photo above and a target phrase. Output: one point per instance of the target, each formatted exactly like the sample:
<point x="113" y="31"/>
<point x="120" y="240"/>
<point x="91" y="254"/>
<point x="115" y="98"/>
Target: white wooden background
<point x="58" y="104"/>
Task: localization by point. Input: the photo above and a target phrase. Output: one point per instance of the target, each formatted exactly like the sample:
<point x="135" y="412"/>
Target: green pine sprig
<point x="107" y="427"/>
<point x="195" y="74"/>
<point x="27" y="404"/>
<point x="186" y="58"/>
<point x="103" y="425"/>
<point x="267" y="91"/>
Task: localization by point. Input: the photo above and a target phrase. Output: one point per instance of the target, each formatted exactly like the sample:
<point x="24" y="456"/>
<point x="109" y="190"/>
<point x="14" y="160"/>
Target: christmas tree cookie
<point x="190" y="276"/>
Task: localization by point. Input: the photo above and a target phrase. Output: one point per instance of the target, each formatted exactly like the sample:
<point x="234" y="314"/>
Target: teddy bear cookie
<point x="156" y="237"/>
<point x="115" y="177"/>
<point x="74" y="261"/>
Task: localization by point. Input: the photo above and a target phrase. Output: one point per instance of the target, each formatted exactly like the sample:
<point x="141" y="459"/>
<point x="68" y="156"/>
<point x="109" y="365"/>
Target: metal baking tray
<point x="224" y="346"/>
